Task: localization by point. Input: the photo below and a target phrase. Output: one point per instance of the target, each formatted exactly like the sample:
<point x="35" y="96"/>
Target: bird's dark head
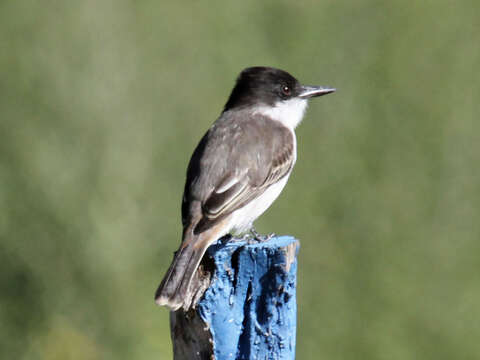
<point x="269" y="88"/>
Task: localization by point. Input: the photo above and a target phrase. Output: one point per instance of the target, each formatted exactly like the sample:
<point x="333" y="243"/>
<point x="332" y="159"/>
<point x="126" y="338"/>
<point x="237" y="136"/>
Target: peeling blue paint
<point x="250" y="306"/>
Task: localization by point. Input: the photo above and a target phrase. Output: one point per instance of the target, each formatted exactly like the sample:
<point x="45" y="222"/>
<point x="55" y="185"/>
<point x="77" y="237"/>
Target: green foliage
<point x="102" y="103"/>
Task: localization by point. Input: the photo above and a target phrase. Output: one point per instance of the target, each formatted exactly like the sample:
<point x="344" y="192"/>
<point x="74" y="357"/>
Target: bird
<point x="237" y="170"/>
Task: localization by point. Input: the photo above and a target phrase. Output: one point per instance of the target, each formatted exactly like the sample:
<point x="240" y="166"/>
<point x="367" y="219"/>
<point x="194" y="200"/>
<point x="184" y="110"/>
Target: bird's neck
<point x="290" y="112"/>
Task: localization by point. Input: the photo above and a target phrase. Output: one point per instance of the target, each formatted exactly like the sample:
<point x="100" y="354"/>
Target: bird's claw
<point x="256" y="237"/>
<point x="270" y="236"/>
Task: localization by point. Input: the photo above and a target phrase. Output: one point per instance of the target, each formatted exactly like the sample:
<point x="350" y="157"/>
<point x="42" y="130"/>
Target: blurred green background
<point x="102" y="103"/>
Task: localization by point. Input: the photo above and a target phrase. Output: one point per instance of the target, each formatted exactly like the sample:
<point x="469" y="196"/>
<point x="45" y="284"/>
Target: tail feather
<point x="174" y="289"/>
<point x="183" y="284"/>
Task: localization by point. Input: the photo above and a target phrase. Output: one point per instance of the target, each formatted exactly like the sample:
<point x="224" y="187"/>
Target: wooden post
<point x="249" y="310"/>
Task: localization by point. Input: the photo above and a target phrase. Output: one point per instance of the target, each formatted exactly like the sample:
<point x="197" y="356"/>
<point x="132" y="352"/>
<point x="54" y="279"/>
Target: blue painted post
<point x="249" y="309"/>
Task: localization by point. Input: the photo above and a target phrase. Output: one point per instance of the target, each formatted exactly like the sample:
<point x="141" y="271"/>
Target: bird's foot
<point x="256" y="237"/>
<point x="255" y="234"/>
<point x="270" y="236"/>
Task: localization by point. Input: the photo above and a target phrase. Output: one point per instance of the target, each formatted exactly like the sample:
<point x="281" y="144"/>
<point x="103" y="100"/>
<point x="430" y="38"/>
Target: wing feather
<point x="233" y="170"/>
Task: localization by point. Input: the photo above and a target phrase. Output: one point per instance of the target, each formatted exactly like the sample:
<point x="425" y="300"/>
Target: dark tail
<point x="183" y="285"/>
<point x="176" y="289"/>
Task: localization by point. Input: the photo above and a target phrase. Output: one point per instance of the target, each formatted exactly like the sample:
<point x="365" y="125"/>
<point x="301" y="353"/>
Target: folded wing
<point x="236" y="161"/>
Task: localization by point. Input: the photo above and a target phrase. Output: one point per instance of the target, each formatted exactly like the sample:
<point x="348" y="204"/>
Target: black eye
<point x="286" y="90"/>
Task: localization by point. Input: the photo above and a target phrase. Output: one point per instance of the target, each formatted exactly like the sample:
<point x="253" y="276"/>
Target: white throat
<point x="289" y="112"/>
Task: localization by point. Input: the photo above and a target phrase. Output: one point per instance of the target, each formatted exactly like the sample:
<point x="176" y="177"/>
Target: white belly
<point x="243" y="218"/>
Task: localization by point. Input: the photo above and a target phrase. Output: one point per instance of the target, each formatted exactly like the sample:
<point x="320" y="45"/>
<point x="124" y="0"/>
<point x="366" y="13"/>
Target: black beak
<point x="308" y="92"/>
